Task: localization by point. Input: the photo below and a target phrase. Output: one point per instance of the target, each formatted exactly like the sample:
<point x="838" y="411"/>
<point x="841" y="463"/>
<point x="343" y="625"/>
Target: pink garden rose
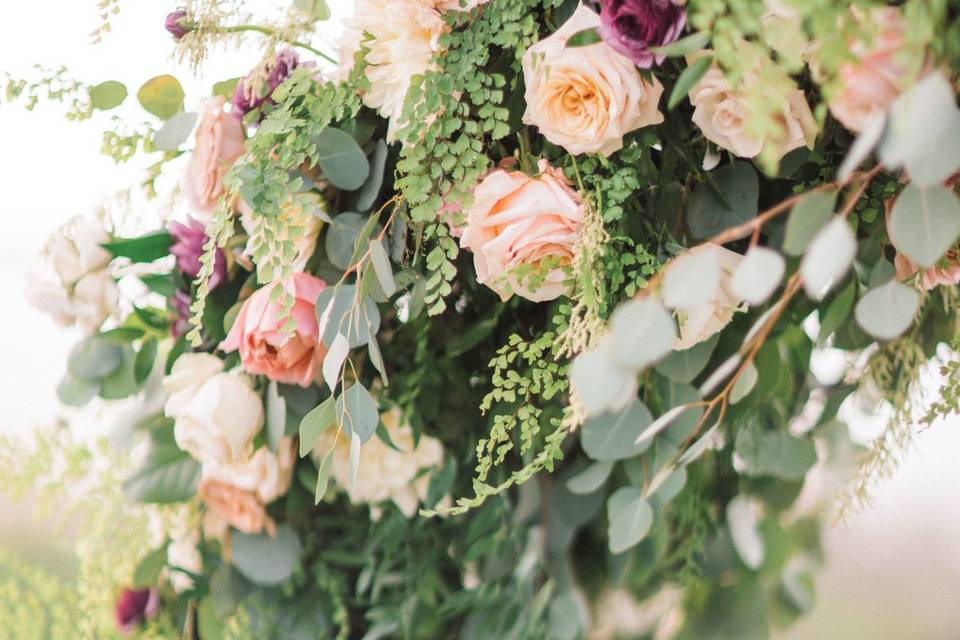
<point x="266" y="349"/>
<point x="523" y="232"/>
<point x="873" y="80"/>
<point x="219" y="142"/>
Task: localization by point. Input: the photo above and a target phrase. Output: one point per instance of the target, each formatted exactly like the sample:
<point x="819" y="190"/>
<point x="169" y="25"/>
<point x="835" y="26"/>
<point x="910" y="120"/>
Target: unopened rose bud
<point x="177" y="24"/>
<point x="134" y="606"/>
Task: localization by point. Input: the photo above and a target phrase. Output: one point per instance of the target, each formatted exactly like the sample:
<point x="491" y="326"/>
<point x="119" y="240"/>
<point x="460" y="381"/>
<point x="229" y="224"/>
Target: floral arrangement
<point x="502" y="322"/>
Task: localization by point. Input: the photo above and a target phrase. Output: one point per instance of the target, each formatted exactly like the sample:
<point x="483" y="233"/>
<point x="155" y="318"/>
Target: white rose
<point x="77" y="289"/>
<point x="217" y="422"/>
<point x="385" y="473"/>
<point x="87" y="303"/>
<point x="190" y="372"/>
<point x="699" y="323"/>
<point x="267" y="475"/>
<point x="586" y="99"/>
<point x="75" y="250"/>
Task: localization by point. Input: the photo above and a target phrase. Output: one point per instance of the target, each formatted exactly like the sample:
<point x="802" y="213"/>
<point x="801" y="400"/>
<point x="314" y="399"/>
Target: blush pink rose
<point x="265" y="348"/>
<point x="945" y="273"/>
<point x="523" y="232"/>
<point x="219" y="142"/>
<point x="870" y="83"/>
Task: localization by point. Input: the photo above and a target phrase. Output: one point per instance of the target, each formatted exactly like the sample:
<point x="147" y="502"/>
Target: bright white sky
<point x="897" y="564"/>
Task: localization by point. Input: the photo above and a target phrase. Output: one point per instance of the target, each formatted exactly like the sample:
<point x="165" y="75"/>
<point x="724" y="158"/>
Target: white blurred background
<point x="893" y="571"/>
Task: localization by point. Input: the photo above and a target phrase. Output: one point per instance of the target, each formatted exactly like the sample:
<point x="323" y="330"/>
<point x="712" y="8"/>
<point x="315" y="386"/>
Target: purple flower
<point x="181" y="302"/>
<point x="177" y="24"/>
<point x="134" y="606"/>
<point x="633" y="27"/>
<point x="245" y="101"/>
<point x="188" y="241"/>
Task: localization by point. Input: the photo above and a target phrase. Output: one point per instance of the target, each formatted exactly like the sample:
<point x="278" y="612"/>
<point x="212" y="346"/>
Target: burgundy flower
<point x="188" y="241"/>
<point x="177" y="24"/>
<point x="633" y="27"/>
<point x="134" y="606"/>
<point x="181" y="302"/>
<point x="245" y="101"/>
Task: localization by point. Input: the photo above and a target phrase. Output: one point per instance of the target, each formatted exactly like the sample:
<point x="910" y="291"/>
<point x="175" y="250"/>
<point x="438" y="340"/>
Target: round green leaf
<point x="108" y="95"/>
<point x="590" y="479"/>
<point x="888" y="311"/>
<point x="807" y="218"/>
<point x="692" y="278"/>
<point x="162" y="96"/>
<point x="94" y="358"/>
<point x="342" y="237"/>
<point x="341" y="159"/>
<point x="611" y="436"/>
<point x="643" y="331"/>
<point x="684" y="366"/>
<point x="758" y="275"/>
<point x="630" y="517"/>
<point x="267" y="560"/>
<point x="925" y="223"/>
<point x="739" y="189"/>
<point x="357" y="412"/>
<point x="828" y="259"/>
<point x="600" y="382"/>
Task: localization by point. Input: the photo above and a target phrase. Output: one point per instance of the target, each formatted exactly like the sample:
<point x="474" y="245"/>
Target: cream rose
<point x="586" y="99"/>
<point x="386" y="474"/>
<point x="87" y="303"/>
<point x="870" y="83"/>
<point x="722" y="114"/>
<point x="219" y="142"/>
<point x="704" y="320"/>
<point x="266" y="474"/>
<point x="523" y="232"/>
<point x="402" y="36"/>
<point x="216" y="414"/>
<point x="76" y="288"/>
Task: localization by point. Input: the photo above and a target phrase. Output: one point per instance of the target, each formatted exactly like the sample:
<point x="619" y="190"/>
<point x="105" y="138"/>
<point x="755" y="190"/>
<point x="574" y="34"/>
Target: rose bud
<point x="177" y="24"/>
<point x="244" y="100"/>
<point x="134" y="606"/>
<point x="633" y="27"/>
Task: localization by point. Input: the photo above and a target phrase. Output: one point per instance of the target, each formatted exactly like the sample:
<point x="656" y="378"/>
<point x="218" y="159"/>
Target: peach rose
<point x="237" y="494"/>
<point x="523" y="232"/>
<point x="265" y="348"/>
<point x="585" y="99"/>
<point x="219" y="142"/>
<point x="870" y="83"/>
<point x="722" y="113"/>
<point x="235" y="507"/>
